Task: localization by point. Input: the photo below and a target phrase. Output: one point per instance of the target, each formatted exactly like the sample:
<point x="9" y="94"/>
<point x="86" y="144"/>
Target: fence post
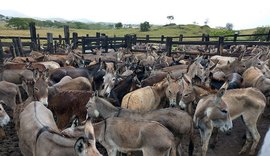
<point x="38" y="42"/>
<point x="55" y="46"/>
<point x="128" y="42"/>
<point x="220" y="45"/>
<point x="98" y="39"/>
<point x="268" y="36"/>
<point x="147" y="38"/>
<point x="162" y="39"/>
<point x="33" y="34"/>
<point x="207" y="40"/>
<point x="20" y="47"/>
<point x="60" y="40"/>
<point x="181" y="37"/>
<point x="83" y="45"/>
<point x="135" y="39"/>
<point x="75" y="40"/>
<point x="235" y="36"/>
<point x="203" y="37"/>
<point x="50" y="42"/>
<point x="66" y="34"/>
<point x="1" y="54"/>
<point x="15" y="43"/>
<point x="169" y="45"/>
<point x="12" y="50"/>
<point x="106" y="43"/>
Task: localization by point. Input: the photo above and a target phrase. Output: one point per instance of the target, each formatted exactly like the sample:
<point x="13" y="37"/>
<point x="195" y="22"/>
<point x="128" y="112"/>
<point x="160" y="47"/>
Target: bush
<point x="261" y="30"/>
<point x="221" y="32"/>
<point x="19" y="23"/>
<point x="145" y="26"/>
<point x="118" y="25"/>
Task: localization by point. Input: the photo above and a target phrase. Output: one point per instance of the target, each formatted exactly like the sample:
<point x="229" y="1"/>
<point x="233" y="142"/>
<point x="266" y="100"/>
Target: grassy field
<point x="186" y="30"/>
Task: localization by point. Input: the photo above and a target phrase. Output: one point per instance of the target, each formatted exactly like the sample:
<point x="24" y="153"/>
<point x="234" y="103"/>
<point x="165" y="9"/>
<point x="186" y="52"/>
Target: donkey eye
<point x="224" y="111"/>
<point x="186" y="95"/>
<point x="36" y="89"/>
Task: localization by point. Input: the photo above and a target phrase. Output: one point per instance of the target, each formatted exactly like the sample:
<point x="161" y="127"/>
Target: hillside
<point x="176" y="30"/>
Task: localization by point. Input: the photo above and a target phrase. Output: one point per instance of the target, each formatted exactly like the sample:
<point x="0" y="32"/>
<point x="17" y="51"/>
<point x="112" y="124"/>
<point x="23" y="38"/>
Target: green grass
<point x="175" y="30"/>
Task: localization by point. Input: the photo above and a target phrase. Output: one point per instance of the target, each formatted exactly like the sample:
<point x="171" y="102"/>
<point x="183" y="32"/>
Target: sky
<point x="243" y="14"/>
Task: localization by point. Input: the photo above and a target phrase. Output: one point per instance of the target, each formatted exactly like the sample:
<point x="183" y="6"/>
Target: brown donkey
<point x="218" y="110"/>
<point x="39" y="91"/>
<point x="150" y="97"/>
<point x="177" y="121"/>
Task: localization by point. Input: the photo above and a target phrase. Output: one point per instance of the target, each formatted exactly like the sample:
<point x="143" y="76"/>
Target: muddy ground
<point x="228" y="145"/>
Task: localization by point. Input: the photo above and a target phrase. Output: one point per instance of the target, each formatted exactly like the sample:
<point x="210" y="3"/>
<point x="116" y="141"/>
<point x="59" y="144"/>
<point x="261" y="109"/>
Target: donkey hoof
<point x="242" y="152"/>
<point x="251" y="153"/>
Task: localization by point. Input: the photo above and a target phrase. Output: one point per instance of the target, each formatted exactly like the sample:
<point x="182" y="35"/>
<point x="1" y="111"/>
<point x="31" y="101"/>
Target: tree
<point x="229" y="26"/>
<point x="206" y="21"/>
<point x="261" y="30"/>
<point x="118" y="25"/>
<point x="145" y="26"/>
<point x="170" y="18"/>
<point x="19" y="23"/>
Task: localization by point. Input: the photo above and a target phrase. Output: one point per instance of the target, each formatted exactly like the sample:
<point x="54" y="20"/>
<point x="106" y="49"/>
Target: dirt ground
<point x="228" y="145"/>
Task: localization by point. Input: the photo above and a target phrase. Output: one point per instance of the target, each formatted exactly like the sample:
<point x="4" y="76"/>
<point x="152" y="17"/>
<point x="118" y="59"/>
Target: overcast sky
<point x="241" y="13"/>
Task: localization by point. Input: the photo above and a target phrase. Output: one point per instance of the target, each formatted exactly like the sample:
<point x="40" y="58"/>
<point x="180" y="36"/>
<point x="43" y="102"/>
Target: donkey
<point x="10" y="94"/>
<point x="150" y="97"/>
<point x="39" y="93"/>
<point x="177" y="121"/>
<point x="128" y="84"/>
<point x="39" y="135"/>
<point x="218" y="110"/>
<point x="253" y="77"/>
<point x="125" y="135"/>
<point x="4" y="120"/>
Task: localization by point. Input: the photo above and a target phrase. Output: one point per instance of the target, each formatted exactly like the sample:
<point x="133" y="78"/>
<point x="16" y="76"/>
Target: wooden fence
<point x="20" y="46"/>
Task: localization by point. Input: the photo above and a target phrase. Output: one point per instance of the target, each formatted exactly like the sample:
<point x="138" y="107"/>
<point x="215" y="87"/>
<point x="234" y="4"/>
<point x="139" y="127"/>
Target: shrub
<point x="261" y="30"/>
<point x="145" y="26"/>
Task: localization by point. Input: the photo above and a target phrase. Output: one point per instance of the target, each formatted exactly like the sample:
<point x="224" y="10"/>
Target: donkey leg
<point x="256" y="138"/>
<point x="205" y="136"/>
<point x="215" y="140"/>
<point x="247" y="143"/>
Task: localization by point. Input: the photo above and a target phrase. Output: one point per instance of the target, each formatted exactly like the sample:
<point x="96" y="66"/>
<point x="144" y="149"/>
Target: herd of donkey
<point x="63" y="103"/>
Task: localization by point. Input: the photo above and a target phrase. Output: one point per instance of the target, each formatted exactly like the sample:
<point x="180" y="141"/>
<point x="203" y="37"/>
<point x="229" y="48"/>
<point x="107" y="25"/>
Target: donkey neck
<point x="106" y="110"/>
<point x="199" y="92"/>
<point x="159" y="90"/>
<point x="99" y="129"/>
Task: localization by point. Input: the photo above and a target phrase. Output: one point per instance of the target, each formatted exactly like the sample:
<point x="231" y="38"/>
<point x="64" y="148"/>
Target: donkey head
<point x="172" y="90"/>
<point x="4" y="118"/>
<point x="40" y="86"/>
<point x="211" y="111"/>
<point x="86" y="146"/>
<point x="188" y="95"/>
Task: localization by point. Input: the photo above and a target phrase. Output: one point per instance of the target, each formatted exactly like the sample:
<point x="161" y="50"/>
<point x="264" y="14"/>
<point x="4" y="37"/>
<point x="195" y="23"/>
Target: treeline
<point x="23" y="23"/>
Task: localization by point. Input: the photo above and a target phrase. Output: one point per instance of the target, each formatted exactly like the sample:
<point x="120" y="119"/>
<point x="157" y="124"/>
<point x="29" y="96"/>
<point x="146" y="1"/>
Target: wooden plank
<point x="66" y="34"/>
<point x="12" y="50"/>
<point x="169" y="45"/>
<point x="20" y="46"/>
<point x="74" y="40"/>
<point x="1" y="54"/>
<point x="33" y="35"/>
<point x="15" y="44"/>
<point x="50" y="42"/>
<point x="38" y="42"/>
<point x="220" y="45"/>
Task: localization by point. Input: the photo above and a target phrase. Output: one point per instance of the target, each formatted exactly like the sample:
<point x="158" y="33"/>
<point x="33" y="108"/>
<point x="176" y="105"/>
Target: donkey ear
<point x="80" y="146"/>
<point x="221" y="92"/>
<point x="46" y="74"/>
<point x="36" y="74"/>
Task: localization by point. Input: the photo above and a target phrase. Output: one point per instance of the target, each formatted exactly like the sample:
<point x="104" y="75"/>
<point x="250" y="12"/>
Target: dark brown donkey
<point x="66" y="104"/>
<point x="177" y="121"/>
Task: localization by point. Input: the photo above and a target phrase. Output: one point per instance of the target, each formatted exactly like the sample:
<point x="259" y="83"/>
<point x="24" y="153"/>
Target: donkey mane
<point x="208" y="89"/>
<point x="74" y="92"/>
